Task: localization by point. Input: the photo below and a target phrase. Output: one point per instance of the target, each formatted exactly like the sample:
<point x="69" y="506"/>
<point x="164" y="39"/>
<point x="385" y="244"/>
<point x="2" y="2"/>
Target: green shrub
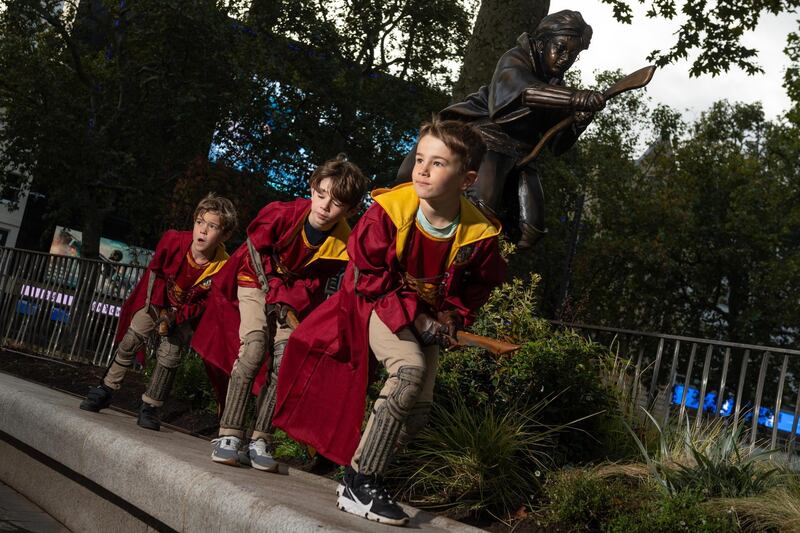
<point x="553" y="365"/>
<point x="680" y="512"/>
<point x="578" y="500"/>
<point x="473" y="458"/>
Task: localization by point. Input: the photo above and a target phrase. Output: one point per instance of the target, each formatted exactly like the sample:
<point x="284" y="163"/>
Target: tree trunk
<point x="497" y="27"/>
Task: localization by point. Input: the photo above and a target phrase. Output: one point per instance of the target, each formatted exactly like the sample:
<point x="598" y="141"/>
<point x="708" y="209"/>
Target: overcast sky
<point x="624" y="46"/>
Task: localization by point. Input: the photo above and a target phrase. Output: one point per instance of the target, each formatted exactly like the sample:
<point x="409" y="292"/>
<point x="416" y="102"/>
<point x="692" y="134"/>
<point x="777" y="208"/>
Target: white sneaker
<point x="261" y="456"/>
<point x="226" y="450"/>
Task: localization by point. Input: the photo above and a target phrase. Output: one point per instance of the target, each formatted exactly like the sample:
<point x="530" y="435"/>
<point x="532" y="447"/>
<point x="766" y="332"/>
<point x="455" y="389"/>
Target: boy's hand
<point x="282" y="312"/>
<point x="427" y="328"/>
<point x="166" y="321"/>
<point x="451" y="322"/>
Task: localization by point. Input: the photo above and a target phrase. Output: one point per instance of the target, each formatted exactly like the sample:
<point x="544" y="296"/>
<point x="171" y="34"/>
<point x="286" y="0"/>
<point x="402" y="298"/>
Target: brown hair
<point x="223" y="207"/>
<point x="460" y="138"/>
<point x="348" y="183"/>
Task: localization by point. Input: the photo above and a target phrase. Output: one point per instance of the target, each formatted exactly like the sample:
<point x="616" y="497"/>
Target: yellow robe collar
<point x="401" y="204"/>
<point x="220" y="258"/>
<point x="335" y="246"/>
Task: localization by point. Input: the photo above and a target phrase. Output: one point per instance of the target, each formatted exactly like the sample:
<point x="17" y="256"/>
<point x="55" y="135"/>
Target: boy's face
<point x="207" y="233"/>
<point x="326" y="211"/>
<point x="560" y="52"/>
<point x="438" y="174"/>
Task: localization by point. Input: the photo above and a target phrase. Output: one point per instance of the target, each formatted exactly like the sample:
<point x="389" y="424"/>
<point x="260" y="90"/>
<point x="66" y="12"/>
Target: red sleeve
<point x="156" y="267"/>
<point x="373" y="252"/>
<point x="272" y="222"/>
<point x="488" y="272"/>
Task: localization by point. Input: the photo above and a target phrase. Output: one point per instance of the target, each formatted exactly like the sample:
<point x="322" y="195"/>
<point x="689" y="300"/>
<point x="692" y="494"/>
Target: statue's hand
<point x="583" y="119"/>
<point x="583" y="100"/>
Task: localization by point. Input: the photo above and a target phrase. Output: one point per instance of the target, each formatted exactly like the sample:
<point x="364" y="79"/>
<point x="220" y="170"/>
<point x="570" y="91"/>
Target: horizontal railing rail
<point x="745" y="383"/>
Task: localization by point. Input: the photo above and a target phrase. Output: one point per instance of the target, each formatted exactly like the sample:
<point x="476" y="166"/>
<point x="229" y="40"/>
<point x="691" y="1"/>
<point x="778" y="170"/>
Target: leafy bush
<point x="473" y="458"/>
<point x="583" y="500"/>
<point x="553" y="365"/>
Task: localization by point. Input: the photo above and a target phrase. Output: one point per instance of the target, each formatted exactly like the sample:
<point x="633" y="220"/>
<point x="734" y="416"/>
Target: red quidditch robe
<point x="324" y="374"/>
<point x="165" y="266"/>
<point x="275" y="230"/>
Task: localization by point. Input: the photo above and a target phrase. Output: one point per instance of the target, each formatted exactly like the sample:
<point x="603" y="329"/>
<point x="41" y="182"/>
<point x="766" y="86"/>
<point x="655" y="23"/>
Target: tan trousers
<point x="252" y="319"/>
<point x="142" y="325"/>
<point x="396" y="351"/>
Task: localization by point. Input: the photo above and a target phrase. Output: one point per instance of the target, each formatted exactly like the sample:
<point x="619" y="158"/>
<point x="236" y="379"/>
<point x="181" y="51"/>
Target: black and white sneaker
<point x="366" y="496"/>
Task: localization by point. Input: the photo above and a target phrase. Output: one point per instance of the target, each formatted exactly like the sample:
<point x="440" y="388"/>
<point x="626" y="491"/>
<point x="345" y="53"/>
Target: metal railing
<point x="712" y="379"/>
<point x="62" y="307"/>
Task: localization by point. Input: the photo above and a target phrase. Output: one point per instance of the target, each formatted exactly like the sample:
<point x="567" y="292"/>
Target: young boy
<point x="423" y="259"/>
<point x="291" y="249"/>
<point x="169" y="298"/>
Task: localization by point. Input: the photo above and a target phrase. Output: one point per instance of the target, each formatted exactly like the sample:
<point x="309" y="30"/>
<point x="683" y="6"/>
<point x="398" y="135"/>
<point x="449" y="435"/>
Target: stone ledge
<point x="167" y="475"/>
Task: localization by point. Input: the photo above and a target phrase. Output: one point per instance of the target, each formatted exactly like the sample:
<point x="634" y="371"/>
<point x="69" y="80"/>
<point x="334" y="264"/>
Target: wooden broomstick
<point x="463" y="338"/>
<point x="637" y="80"/>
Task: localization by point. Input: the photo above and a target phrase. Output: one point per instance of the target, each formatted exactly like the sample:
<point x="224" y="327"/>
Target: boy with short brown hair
<point x="170" y="298"/>
<point x="292" y="248"/>
<point x="423" y="259"/>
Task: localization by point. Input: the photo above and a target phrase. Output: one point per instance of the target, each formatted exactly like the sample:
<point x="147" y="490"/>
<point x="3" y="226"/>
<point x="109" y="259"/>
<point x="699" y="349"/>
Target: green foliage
<point x="476" y="458"/>
<point x="577" y="500"/>
<point x="555" y="366"/>
<point x="582" y="500"/>
<point x="715" y="468"/>
<point x="715" y="34"/>
<point x="681" y="512"/>
<point x="192" y="384"/>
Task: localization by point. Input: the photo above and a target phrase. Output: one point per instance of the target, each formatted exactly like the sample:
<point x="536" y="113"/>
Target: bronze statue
<point x="526" y="98"/>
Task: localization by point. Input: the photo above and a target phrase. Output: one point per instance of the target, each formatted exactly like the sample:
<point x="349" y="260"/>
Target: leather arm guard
<point x="558" y="97"/>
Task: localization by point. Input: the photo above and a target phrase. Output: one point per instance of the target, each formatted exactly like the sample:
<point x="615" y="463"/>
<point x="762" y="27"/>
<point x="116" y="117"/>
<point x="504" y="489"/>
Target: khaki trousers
<point x="395" y="351"/>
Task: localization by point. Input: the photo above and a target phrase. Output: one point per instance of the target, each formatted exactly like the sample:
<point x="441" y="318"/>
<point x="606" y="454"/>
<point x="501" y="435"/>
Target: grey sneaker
<point x="226" y="450"/>
<point x="261" y="456"/>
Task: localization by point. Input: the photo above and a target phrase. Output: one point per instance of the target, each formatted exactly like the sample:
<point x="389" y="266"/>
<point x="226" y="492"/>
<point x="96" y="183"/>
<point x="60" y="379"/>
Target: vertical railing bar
<point x="50" y="290"/>
<point x="740" y="389"/>
<point x="793" y="436"/>
<point x="62" y="266"/>
<point x="722" y="382"/>
<point x="79" y="340"/>
<point x="778" y="402"/>
<point x="671" y="384"/>
<point x="654" y="381"/>
<point x="94" y="320"/>
<point x="16" y="288"/>
<point x="759" y="391"/>
<point x="26" y="322"/>
<point x="637" y="380"/>
<point x="687" y="381"/>
<point x="704" y="385"/>
<point x="71" y="265"/>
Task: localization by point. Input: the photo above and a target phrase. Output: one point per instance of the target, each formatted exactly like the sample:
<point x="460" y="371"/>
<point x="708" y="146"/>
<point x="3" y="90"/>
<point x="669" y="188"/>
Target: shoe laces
<point x="231" y="444"/>
<point x="375" y="488"/>
<point x="259" y="446"/>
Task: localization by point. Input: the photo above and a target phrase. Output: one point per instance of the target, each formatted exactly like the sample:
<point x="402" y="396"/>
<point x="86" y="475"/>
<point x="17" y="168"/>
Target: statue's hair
<point x="213" y="203"/>
<point x="564" y="22"/>
<point x="348" y="184"/>
<point x="460" y="138"/>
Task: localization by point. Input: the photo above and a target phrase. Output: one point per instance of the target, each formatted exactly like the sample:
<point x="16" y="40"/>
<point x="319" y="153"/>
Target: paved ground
<point x="167" y="475"/>
<point x="18" y="514"/>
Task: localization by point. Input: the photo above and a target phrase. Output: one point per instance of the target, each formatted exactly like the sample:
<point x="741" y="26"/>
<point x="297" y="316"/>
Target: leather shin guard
<point x="251" y="357"/>
<point x="160" y="384"/>
<point x="415" y="422"/>
<point x="388" y="419"/>
<point x="265" y="403"/>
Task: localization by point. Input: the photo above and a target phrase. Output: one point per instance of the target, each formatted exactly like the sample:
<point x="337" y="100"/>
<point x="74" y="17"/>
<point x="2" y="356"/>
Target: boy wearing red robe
<point x="423" y="259"/>
<point x="292" y="248"/>
<point x="170" y="298"/>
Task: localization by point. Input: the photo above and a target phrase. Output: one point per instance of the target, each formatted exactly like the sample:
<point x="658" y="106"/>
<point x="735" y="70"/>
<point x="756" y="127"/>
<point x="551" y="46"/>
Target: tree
<point x="713" y="30"/>
<point x="106" y="102"/>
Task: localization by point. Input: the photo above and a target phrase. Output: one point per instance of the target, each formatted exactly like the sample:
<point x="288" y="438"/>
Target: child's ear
<point x="469" y="179"/>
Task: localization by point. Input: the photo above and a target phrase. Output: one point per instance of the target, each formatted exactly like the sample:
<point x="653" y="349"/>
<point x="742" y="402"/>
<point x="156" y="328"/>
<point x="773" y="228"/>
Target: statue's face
<point x="559" y="53"/>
